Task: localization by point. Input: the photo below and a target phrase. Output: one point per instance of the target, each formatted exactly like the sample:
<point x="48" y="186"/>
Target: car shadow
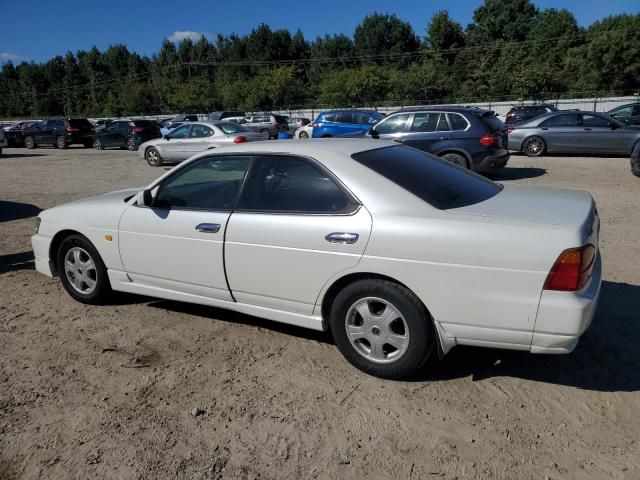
<point x="607" y="358"/>
<point x="515" y="173"/>
<point x="5" y="156"/>
<point x="17" y="210"/>
<point x="17" y="261"/>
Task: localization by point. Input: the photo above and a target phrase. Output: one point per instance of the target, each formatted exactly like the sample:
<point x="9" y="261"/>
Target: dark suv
<point x="15" y="134"/>
<point x="470" y="137"/>
<point x="523" y="113"/>
<point x="60" y="132"/>
<point x="126" y="134"/>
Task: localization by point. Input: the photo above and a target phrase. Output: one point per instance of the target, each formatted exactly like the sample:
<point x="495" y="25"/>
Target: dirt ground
<point x="280" y="402"/>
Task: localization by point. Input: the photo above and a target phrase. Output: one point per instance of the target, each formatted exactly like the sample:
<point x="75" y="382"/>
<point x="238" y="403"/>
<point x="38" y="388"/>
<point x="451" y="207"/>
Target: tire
<point x="534" y="146"/>
<point x="266" y="130"/>
<point x="97" y="144"/>
<point x="635" y="160"/>
<point x="61" y="143"/>
<point x="410" y="328"/>
<point x="456" y="158"/>
<point x="153" y="158"/>
<point x="131" y="144"/>
<point x="82" y="271"/>
<point x="29" y="142"/>
<point x="303" y="135"/>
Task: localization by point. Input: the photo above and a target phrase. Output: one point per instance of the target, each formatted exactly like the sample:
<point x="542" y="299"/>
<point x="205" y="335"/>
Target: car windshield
<point x="438" y="182"/>
<point x="230" y="127"/>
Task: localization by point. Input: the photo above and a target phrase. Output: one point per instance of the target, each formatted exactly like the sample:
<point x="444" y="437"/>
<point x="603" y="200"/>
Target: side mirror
<point x="144" y="198"/>
<point x="374" y="134"/>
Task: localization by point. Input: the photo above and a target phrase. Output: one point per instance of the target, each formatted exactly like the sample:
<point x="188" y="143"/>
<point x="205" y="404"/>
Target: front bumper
<point x="498" y="160"/>
<point x="41" y="245"/>
<point x="564" y="316"/>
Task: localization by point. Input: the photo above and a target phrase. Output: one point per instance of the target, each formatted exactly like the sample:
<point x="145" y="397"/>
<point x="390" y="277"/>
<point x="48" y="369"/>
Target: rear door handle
<point x="342" y="237"/>
<point x="587" y="128"/>
<point x="208" y="227"/>
<point x="444" y="138"/>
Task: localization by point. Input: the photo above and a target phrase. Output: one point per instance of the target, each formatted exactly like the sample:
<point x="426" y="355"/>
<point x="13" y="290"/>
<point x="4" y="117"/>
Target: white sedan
<point x="193" y="137"/>
<point x="396" y="252"/>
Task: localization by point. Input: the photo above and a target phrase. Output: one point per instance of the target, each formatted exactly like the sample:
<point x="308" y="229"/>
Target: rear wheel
<point x="303" y="135"/>
<point x="456" y="158"/>
<point x="131" y="144"/>
<point x="61" y="143"/>
<point x="534" y="147"/>
<point x="382" y="328"/>
<point x="82" y="271"/>
<point x="97" y="144"/>
<point x="29" y="142"/>
<point x="153" y="157"/>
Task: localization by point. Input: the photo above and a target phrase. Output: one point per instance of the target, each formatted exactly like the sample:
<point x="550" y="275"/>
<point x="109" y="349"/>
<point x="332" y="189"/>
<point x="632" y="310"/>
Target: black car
<point x="628" y="114"/>
<point x="635" y="160"/>
<point x="523" y="113"/>
<point x="126" y="134"/>
<point x="60" y="132"/>
<point x="102" y="123"/>
<point x="15" y="137"/>
<point x="470" y="137"/>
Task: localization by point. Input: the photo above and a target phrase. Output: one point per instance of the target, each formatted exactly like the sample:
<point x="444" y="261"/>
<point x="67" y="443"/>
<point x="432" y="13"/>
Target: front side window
<point x="438" y="182"/>
<point x="200" y="131"/>
<point x="283" y="184"/>
<point x="211" y="183"/>
<point x="331" y="117"/>
<point x="568" y="120"/>
<point x="393" y="124"/>
<point x="180" y="132"/>
<point x="592" y="121"/>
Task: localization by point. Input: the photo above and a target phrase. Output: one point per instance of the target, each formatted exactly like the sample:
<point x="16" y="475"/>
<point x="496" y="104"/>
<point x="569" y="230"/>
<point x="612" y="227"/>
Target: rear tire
<point x="153" y="158"/>
<point x="456" y="158"/>
<point x="534" y="146"/>
<point x="303" y="135"/>
<point x="29" y="142"/>
<point x="392" y="338"/>
<point x="81" y="270"/>
<point x="97" y="144"/>
<point x="61" y="143"/>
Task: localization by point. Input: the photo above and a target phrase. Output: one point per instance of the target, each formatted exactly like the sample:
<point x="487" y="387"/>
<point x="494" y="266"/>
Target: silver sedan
<point x="194" y="137"/>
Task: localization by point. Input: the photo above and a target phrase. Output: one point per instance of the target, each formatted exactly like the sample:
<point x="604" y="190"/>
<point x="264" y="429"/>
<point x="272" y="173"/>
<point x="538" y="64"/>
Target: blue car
<point x="340" y="122"/>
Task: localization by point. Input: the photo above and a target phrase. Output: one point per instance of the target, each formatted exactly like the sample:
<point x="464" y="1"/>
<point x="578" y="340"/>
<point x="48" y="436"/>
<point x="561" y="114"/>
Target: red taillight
<point x="71" y="129"/>
<point x="510" y="129"/>
<point x="240" y="139"/>
<point x="488" y="140"/>
<point x="572" y="269"/>
<point x="137" y="129"/>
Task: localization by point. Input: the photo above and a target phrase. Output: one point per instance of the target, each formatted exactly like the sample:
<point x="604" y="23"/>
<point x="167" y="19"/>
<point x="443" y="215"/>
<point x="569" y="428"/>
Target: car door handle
<point x="342" y="237"/>
<point x="544" y="128"/>
<point x="444" y="138"/>
<point x="208" y="227"/>
<point x="587" y="128"/>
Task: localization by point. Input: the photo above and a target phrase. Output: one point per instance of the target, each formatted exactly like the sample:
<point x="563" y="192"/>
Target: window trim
<point x="352" y="200"/>
<point x="451" y="123"/>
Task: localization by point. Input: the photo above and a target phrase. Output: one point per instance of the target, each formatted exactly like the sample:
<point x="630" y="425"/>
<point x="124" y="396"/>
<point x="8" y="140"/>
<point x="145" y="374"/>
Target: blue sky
<point x="37" y="30"/>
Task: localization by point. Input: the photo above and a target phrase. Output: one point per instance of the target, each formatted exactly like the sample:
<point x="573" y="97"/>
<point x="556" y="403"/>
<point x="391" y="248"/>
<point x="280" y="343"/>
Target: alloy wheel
<point x="533" y="147"/>
<point x="80" y="270"/>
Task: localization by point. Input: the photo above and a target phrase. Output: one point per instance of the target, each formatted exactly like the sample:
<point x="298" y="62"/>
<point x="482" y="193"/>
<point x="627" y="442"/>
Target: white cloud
<point x="178" y="36"/>
<point x="10" y="57"/>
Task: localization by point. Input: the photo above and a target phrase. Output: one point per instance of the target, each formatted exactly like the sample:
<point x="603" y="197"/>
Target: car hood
<point x="548" y="205"/>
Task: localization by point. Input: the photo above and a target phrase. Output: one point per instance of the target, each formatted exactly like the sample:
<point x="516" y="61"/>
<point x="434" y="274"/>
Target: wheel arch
<point x="57" y="240"/>
<point x="458" y="151"/>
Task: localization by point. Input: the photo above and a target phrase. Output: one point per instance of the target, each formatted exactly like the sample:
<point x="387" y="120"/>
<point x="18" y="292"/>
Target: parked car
<point x="14" y="134"/>
<point x="60" y="132"/>
<point x="267" y="123"/>
<point x="522" y="113"/>
<point x="376" y="242"/>
<point x="573" y="132"/>
<point x="635" y="160"/>
<point x="193" y="137"/>
<point x="102" y="123"/>
<point x="339" y="122"/>
<point x="190" y="117"/>
<point x="224" y="115"/>
<point x="470" y="137"/>
<point x="164" y="130"/>
<point x="628" y="114"/>
<point x="304" y="132"/>
<point x="296" y="122"/>
<point x="127" y="134"/>
<point x="3" y="140"/>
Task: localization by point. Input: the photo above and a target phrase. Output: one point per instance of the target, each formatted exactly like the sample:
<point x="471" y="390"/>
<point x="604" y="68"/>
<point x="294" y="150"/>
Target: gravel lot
<point x="280" y="402"/>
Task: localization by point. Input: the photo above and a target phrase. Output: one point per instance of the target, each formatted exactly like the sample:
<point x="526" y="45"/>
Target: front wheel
<point x="81" y="270"/>
<point x="131" y="144"/>
<point x="153" y="157"/>
<point x="61" y="143"/>
<point x="303" y="135"/>
<point x="97" y="144"/>
<point x="29" y="142"/>
<point x="534" y="147"/>
<point x="382" y="328"/>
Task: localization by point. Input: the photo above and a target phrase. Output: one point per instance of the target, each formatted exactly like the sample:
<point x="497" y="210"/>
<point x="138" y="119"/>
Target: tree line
<point x="512" y="50"/>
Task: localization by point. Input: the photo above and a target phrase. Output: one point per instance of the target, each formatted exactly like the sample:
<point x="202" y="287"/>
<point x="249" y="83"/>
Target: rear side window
<point x="344" y="117"/>
<point x="200" y="131"/>
<point x="438" y="182"/>
<point x="427" y="121"/>
<point x="458" y="122"/>
<point x="594" y="121"/>
<point x="567" y="120"/>
<point x="283" y="184"/>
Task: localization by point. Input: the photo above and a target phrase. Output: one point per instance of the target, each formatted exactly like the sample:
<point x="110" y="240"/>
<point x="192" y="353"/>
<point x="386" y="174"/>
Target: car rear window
<point x="493" y="122"/>
<point x="438" y="182"/>
<point x="230" y="127"/>
<point x="80" y="123"/>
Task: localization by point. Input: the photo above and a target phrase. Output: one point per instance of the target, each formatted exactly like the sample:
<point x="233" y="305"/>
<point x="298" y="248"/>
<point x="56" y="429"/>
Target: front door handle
<point x="587" y="128"/>
<point x="342" y="237"/>
<point x="208" y="227"/>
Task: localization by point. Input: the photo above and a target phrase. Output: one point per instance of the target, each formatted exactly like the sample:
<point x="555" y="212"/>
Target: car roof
<point x="349" y="110"/>
<point x="445" y="108"/>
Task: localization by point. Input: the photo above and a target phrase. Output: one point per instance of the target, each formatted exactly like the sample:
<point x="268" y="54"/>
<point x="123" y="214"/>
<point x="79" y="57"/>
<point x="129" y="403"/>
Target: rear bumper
<point x="498" y="159"/>
<point x="564" y="316"/>
<point x="41" y="245"/>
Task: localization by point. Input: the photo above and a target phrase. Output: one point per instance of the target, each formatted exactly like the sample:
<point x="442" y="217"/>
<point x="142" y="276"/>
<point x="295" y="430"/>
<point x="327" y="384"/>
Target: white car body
<point x="479" y="270"/>
<point x="307" y="129"/>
